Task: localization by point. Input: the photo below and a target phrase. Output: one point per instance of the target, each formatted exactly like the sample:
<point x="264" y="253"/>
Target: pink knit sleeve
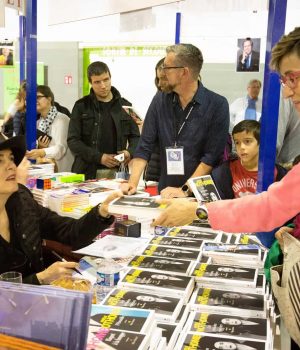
<point x="261" y="212"/>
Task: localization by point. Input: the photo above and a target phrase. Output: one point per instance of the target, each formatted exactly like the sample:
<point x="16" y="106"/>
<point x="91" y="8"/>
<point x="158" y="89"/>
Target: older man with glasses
<point x="190" y="122"/>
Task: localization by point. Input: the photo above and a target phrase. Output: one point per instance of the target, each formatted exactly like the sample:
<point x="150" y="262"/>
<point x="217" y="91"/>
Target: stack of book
<point x="52" y="316"/>
<point x="166" y="308"/>
<point x="234" y="254"/>
<point x="136" y="207"/>
<point x="122" y="328"/>
<point x="199" y="341"/>
<point x="159" y="283"/>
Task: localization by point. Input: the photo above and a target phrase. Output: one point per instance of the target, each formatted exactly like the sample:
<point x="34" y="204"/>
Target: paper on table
<point x="115" y="247"/>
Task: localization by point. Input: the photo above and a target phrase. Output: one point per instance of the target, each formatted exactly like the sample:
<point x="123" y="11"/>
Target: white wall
<point x="212" y="25"/>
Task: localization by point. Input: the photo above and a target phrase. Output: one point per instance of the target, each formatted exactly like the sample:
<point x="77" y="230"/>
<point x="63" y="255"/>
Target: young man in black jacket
<point x="100" y="128"/>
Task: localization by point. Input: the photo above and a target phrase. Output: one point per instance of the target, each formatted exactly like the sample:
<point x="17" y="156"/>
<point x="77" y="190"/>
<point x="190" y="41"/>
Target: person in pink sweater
<point x="281" y="202"/>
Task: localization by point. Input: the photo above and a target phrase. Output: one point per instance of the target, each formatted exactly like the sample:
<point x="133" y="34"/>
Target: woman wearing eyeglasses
<point x="52" y="127"/>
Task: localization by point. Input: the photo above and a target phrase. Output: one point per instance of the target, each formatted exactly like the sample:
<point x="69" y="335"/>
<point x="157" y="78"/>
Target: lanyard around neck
<point x="183" y="124"/>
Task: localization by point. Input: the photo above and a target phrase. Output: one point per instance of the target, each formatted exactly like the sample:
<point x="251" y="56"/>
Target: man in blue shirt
<point x="190" y="124"/>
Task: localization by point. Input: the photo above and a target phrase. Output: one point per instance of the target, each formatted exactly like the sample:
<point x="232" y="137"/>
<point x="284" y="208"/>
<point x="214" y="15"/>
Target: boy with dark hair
<point x="237" y="177"/>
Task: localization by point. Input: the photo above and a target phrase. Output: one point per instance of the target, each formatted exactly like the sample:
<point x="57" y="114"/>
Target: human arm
<point x="138" y="166"/>
<point x="17" y="105"/>
<point x="176" y="192"/>
<point x="76" y="233"/>
<point x="179" y="211"/>
<point x="261" y="212"/>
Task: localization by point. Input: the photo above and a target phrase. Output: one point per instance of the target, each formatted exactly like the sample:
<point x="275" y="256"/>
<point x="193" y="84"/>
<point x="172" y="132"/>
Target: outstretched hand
<point x="103" y="208"/>
<point x="179" y="211"/>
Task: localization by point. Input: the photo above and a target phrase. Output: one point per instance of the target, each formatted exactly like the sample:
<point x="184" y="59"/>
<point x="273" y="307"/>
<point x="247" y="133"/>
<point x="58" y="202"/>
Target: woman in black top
<point x="24" y="223"/>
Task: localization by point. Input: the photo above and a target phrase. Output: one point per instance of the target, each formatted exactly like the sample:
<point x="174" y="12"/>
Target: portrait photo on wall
<point x="6" y="53"/>
<point x="248" y="54"/>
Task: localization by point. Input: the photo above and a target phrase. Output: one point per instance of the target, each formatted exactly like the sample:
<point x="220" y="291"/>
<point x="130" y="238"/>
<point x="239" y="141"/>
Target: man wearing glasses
<point x="100" y="128"/>
<point x="190" y="121"/>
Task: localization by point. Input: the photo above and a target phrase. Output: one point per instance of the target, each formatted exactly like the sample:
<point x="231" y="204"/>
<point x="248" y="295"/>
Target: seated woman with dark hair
<point x="24" y="223"/>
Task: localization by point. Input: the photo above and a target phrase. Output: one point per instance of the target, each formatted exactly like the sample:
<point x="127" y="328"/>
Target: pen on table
<point x="64" y="260"/>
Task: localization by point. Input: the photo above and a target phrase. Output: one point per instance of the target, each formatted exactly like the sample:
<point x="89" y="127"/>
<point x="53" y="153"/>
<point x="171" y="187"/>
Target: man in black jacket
<point x="100" y="128"/>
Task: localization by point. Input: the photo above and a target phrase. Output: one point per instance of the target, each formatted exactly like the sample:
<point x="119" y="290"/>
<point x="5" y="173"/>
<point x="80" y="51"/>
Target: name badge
<point x="175" y="164"/>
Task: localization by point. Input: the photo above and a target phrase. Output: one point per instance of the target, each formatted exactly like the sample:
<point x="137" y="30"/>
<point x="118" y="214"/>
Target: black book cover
<point x="230" y="299"/>
<point x="221" y="273"/>
<point x="170" y="252"/>
<point x="167" y="330"/>
<point x="204" y="188"/>
<point x="177" y="242"/>
<point x="161" y="264"/>
<point x="141" y="300"/>
<point x="192" y="234"/>
<point x="198" y="342"/>
<point x="251" y="328"/>
<point x="156" y="280"/>
<point x="249" y="249"/>
<point x="200" y="223"/>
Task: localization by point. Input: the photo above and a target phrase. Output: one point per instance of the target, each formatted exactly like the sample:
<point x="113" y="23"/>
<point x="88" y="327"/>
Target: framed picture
<point x="248" y="55"/>
<point x="6" y="53"/>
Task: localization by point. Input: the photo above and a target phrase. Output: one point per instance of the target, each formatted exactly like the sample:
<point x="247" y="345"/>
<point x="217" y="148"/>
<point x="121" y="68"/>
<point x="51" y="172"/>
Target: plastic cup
<point x="11" y="276"/>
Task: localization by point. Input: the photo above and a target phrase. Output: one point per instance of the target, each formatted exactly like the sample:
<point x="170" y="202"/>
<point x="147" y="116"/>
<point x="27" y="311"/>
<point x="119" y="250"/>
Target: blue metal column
<point x="269" y="120"/>
<point x="271" y="94"/>
<point x="177" y="30"/>
<point x="22" y="22"/>
<point x="31" y="72"/>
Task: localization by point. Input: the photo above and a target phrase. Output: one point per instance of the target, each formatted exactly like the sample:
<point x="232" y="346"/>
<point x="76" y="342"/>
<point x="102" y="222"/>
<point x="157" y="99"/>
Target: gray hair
<point x="187" y="55"/>
<point x="254" y="81"/>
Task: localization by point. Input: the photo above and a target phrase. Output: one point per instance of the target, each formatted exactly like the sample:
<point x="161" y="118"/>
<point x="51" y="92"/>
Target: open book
<point x="204" y="188"/>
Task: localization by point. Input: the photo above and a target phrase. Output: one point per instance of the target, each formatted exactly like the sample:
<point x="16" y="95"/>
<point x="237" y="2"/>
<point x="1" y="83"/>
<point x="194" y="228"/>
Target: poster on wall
<point x="248" y="55"/>
<point x="6" y="53"/>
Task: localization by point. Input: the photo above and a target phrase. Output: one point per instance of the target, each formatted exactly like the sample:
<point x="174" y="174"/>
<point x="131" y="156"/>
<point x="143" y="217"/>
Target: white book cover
<point x="114" y="247"/>
<point x="204" y="188"/>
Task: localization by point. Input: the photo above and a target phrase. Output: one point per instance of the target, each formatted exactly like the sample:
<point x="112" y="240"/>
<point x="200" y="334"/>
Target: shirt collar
<point x="198" y="97"/>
